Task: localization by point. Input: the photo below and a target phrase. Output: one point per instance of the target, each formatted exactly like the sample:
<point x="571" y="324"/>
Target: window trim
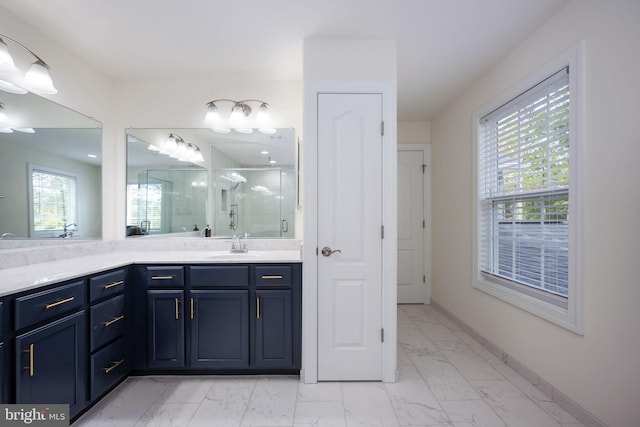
<point x="571" y="316"/>
<point x="49" y="233"/>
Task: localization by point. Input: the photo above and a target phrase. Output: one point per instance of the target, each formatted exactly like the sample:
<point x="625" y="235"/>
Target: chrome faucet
<point x="237" y="247"/>
<point x="66" y="232"/>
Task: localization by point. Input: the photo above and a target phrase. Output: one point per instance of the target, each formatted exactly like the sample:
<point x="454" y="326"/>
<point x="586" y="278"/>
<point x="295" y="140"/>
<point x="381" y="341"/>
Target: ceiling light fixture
<point x="36" y="79"/>
<point x="239" y="116"/>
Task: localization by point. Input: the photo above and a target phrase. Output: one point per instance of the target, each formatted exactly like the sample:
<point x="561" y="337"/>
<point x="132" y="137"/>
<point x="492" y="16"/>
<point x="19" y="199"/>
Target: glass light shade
<point x="181" y="148"/>
<point x="6" y="60"/>
<point x="236" y="113"/>
<point x="11" y="88"/>
<point x="38" y="79"/>
<point x="3" y="118"/>
<point x="262" y="116"/>
<point x="171" y="143"/>
<point x="213" y="116"/>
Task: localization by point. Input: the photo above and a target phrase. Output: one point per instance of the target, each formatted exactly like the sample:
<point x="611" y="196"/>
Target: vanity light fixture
<point x="36" y="79"/>
<point x="176" y="147"/>
<point x="239" y="116"/>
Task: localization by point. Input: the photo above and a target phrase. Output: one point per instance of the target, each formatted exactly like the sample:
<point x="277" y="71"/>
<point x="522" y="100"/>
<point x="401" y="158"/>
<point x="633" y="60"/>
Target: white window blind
<point x="523" y="182"/>
<point x="53" y="200"/>
<point x="144" y="206"/>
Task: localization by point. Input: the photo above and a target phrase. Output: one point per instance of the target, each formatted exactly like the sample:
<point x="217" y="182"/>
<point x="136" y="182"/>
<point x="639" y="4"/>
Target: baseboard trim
<point x="581" y="414"/>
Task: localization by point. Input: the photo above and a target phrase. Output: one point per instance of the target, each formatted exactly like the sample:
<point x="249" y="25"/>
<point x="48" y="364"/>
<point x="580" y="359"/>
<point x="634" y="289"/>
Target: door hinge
<point x="382" y="128"/>
<point x="316" y="251"/>
<point x="382" y="231"/>
<point x="382" y="335"/>
<point x="423" y="168"/>
<point x="424" y="278"/>
<point x="424" y="224"/>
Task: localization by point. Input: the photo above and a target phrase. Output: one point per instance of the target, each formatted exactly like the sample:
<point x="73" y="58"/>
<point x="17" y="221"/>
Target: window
<point x="526" y="206"/>
<point x="144" y="207"/>
<point x="53" y="202"/>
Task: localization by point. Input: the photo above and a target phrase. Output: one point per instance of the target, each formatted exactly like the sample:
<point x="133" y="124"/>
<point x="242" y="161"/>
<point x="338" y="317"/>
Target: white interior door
<point x="349" y="223"/>
<point x="411" y="227"/>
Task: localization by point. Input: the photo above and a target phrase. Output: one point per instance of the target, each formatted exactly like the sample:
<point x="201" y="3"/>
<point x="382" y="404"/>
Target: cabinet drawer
<point x="165" y="277"/>
<point x="219" y="275"/>
<point x="107" y="321"/>
<point x="106" y="284"/>
<point x="108" y="366"/>
<point x="269" y="275"/>
<point x="40" y="306"/>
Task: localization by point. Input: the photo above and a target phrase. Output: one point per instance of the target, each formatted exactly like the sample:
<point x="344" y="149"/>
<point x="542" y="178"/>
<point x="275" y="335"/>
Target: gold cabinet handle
<point x="177" y="309"/>
<point x="55" y="304"/>
<point x="192" y="308"/>
<point x="272" y="277"/>
<point x="114" y="320"/>
<point x="257" y="308"/>
<point x="161" y="277"/>
<point x="114" y="366"/>
<point x="111" y="285"/>
<point x="31" y="356"/>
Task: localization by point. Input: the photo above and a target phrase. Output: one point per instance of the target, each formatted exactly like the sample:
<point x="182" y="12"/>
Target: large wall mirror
<point x="50" y="173"/>
<point x="194" y="180"/>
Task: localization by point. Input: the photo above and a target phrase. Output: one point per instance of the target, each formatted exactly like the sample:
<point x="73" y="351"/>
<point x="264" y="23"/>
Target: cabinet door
<point x="165" y="326"/>
<point x="50" y="364"/>
<point x="274" y="325"/>
<point x="219" y="328"/>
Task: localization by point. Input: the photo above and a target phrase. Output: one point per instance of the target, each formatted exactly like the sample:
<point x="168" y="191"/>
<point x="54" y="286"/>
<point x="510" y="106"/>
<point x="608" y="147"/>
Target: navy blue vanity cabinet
<point x="219" y="326"/>
<point x="277" y="316"/>
<point x="50" y="353"/>
<point x="274" y="329"/>
<point x="109" y="358"/>
<point x="3" y="368"/>
<point x="50" y="363"/>
<point x="165" y="328"/>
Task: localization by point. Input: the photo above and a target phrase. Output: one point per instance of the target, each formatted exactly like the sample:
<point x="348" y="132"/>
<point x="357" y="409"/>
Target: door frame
<point x="309" y="372"/>
<point x="426" y="151"/>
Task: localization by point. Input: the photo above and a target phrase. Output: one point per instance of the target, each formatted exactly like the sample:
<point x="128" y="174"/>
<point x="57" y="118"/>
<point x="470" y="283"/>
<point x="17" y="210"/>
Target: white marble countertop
<point x="37" y="274"/>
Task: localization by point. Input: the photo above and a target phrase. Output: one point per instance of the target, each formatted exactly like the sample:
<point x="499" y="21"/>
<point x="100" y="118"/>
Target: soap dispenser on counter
<point x="207" y="231"/>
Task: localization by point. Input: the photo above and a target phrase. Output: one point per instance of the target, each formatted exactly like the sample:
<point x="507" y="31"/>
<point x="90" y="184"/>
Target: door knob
<point x="326" y="251"/>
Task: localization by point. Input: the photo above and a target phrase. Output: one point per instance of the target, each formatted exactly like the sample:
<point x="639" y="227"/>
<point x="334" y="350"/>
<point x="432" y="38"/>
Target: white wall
<point x="600" y="370"/>
<point x="414" y="132"/>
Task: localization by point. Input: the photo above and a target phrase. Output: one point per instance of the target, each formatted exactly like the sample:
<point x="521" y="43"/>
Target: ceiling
<point x="443" y="45"/>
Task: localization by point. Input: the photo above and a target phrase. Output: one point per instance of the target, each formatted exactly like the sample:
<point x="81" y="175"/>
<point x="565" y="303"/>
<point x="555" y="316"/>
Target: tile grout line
<point x="581" y="414"/>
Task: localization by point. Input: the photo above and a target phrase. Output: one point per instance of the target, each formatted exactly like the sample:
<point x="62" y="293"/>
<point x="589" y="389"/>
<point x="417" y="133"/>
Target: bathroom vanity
<point x="71" y="338"/>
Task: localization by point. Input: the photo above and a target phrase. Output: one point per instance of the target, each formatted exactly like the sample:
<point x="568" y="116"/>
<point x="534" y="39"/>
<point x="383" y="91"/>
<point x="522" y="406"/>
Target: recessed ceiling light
<point x="93" y="156"/>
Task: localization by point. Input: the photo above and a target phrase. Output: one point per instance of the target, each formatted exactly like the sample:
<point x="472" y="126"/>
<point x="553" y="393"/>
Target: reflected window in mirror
<point x="53" y="202"/>
<point x="60" y="140"/>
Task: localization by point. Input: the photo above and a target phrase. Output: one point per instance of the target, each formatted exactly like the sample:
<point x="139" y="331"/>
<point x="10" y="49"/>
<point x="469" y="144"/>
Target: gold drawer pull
<point x="31" y="356"/>
<point x="55" y="304"/>
<point x="177" y="309"/>
<point x="161" y="277"/>
<point x="112" y="321"/>
<point x="192" y="308"/>
<point x="114" y="366"/>
<point x="111" y="285"/>
<point x="257" y="308"/>
<point x="272" y="277"/>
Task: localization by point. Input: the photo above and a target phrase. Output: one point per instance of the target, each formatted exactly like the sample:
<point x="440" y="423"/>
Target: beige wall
<point x="600" y="370"/>
<point x="414" y="132"/>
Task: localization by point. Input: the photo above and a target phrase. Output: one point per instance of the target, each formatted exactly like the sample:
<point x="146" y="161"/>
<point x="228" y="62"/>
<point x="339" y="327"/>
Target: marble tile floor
<point x="446" y="378"/>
